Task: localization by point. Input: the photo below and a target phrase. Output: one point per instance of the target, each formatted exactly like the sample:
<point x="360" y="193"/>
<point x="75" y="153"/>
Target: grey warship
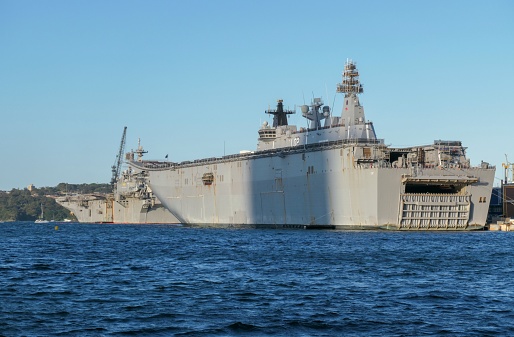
<point x="333" y="174"/>
<point x="131" y="202"/>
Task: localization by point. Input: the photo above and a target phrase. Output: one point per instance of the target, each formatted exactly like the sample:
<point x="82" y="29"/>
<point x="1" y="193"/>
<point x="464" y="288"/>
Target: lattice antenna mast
<point x="116" y="168"/>
<point x="350" y="83"/>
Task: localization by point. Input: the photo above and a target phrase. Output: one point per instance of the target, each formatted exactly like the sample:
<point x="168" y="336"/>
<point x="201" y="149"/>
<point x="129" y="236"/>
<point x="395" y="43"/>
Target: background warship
<point x="132" y="201"/>
<point x="335" y="175"/>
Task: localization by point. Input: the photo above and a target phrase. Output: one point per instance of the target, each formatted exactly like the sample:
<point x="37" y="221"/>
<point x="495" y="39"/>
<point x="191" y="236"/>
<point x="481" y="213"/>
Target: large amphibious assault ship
<point x="131" y="202"/>
<point x="334" y="174"/>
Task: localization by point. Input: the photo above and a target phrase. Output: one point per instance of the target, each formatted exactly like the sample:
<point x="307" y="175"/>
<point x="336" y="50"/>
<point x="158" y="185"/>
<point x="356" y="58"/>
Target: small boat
<point x="41" y="220"/>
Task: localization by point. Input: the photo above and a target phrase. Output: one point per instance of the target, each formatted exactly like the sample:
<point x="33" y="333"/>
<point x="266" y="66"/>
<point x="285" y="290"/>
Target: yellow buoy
<point x="56" y="227"/>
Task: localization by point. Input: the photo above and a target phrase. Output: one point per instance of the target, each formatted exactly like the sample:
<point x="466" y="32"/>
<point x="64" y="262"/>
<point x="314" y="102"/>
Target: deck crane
<point x="116" y="168"/>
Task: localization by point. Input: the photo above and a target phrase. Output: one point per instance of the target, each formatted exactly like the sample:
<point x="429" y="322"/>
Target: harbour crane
<point x="116" y="168"/>
<point x="508" y="166"/>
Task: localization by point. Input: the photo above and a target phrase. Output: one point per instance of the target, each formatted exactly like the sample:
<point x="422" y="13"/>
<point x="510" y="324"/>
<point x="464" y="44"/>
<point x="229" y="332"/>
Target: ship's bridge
<point x="322" y="125"/>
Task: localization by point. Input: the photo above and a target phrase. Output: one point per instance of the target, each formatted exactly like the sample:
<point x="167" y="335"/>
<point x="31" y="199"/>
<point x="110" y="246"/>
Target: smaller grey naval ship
<point x="334" y="174"/>
<point x="131" y="202"/>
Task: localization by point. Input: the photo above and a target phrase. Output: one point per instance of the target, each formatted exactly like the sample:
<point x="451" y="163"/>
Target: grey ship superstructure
<point x="334" y="174"/>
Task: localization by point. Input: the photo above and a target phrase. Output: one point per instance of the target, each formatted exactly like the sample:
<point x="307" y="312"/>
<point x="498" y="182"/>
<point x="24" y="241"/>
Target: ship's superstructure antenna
<point x="279" y="115"/>
<point x="315" y="113"/>
<point x="352" y="115"/>
<point x="350" y="83"/>
<point x="116" y="168"/>
<point x="140" y="151"/>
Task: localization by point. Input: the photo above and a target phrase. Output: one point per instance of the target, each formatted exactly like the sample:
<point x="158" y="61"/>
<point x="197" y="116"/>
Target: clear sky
<point x="192" y="78"/>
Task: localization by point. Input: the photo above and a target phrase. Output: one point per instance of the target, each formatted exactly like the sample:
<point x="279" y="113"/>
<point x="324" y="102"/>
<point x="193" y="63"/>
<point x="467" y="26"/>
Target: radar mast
<point x="352" y="115"/>
<point x="279" y="115"/>
<point x="140" y="151"/>
<point x="350" y="83"/>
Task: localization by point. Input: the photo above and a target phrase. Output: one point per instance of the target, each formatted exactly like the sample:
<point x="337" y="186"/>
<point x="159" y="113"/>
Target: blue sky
<point x="192" y="78"/>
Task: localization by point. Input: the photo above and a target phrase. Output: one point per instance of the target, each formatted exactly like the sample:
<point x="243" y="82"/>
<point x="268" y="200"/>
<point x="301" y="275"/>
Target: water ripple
<point x="97" y="280"/>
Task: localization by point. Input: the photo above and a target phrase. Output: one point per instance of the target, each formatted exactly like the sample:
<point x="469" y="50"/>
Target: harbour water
<point x="168" y="280"/>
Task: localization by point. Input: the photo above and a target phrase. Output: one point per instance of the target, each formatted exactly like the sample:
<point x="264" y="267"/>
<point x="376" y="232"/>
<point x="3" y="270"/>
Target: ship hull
<point x="88" y="210"/>
<point x="107" y="210"/>
<point x="320" y="188"/>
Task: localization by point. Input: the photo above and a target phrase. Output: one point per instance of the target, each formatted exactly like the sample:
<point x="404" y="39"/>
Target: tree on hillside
<point x="25" y="205"/>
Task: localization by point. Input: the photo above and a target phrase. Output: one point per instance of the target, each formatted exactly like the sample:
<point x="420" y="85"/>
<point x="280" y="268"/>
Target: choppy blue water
<point x="86" y="279"/>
